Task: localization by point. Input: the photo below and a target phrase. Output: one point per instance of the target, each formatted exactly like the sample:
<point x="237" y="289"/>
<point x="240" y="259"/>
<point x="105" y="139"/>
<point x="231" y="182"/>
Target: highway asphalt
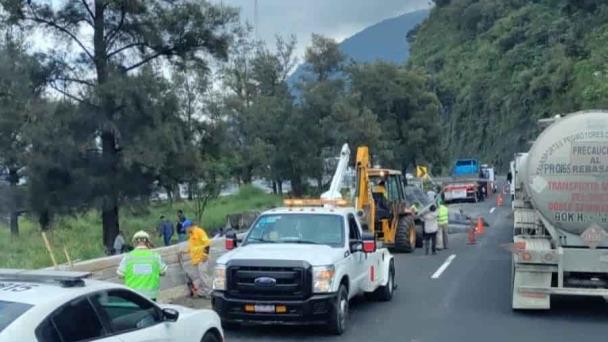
<point x="468" y="301"/>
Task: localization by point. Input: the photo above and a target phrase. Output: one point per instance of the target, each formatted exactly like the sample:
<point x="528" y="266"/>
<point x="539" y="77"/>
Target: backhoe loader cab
<point x="380" y="200"/>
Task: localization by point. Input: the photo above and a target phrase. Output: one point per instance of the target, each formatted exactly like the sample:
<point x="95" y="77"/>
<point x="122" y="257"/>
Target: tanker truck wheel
<point x="405" y="236"/>
<point x="513" y="284"/>
<point x="512" y="280"/>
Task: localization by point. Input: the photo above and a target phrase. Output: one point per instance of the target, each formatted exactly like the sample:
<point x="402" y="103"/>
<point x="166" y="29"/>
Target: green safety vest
<point x="442" y="215"/>
<point x="142" y="272"/>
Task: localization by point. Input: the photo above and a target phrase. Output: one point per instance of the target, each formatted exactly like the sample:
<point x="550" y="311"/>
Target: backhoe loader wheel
<point x="412" y="237"/>
<point x="405" y="236"/>
<point x="419" y="236"/>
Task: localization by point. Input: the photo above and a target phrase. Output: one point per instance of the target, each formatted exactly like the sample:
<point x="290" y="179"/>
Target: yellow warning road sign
<point x="421" y="171"/>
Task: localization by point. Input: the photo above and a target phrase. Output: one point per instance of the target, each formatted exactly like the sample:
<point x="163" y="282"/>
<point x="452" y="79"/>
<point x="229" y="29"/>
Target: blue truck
<point x="466" y="168"/>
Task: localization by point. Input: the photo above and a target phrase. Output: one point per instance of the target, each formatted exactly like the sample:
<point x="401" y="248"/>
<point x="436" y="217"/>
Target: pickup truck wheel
<point x="385" y="293"/>
<point x="337" y="323"/>
<point x="211" y="336"/>
<point x="405" y="236"/>
<point x="230" y="325"/>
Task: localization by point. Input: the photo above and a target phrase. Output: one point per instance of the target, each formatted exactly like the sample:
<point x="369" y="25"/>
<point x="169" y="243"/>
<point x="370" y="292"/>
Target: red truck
<point x="465" y="183"/>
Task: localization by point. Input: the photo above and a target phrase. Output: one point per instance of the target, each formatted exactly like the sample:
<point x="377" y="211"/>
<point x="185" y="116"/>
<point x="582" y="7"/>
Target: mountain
<point x="498" y="66"/>
<point x="384" y="41"/>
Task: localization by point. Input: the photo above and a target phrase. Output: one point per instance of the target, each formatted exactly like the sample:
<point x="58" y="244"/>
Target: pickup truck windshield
<point x="10" y="311"/>
<point x="320" y="229"/>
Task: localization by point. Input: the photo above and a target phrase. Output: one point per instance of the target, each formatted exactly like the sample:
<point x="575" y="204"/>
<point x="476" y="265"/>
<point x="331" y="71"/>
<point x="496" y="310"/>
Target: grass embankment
<point x="81" y="234"/>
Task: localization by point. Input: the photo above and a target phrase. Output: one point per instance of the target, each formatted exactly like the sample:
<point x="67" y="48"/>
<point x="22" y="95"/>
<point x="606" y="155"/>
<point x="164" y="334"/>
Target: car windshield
<point x="322" y="229"/>
<point x="10" y="311"/>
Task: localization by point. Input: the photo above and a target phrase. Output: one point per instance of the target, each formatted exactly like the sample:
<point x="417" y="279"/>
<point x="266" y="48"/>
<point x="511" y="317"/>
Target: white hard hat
<point x="141" y="235"/>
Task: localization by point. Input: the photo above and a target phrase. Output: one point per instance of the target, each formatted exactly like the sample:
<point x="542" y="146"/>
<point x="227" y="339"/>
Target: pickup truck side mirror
<point x="356" y="246"/>
<point x="231" y="241"/>
<point x="369" y="243"/>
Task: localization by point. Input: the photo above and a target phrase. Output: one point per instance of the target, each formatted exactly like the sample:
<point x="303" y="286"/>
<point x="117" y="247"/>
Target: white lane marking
<point x="443" y="267"/>
<point x="492" y="210"/>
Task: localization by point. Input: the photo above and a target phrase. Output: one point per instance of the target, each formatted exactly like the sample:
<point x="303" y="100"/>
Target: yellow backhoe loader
<point x="380" y="200"/>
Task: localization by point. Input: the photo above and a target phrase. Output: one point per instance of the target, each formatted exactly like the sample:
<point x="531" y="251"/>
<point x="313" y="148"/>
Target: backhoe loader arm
<point x="364" y="200"/>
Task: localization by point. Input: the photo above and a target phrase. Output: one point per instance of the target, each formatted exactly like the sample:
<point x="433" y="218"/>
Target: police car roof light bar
<point x="64" y="278"/>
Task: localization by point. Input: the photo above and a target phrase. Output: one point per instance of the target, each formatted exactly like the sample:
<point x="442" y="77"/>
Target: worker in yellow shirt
<point x="198" y="248"/>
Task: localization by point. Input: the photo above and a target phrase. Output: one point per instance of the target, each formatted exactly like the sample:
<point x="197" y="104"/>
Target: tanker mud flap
<point x="527" y="278"/>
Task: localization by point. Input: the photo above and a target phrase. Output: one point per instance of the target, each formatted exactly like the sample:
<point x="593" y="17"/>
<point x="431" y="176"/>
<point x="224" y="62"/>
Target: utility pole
<point x="256" y="19"/>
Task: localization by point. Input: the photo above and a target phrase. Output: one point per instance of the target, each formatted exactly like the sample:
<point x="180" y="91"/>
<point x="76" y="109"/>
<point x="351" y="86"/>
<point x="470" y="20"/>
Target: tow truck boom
<point x="336" y="183"/>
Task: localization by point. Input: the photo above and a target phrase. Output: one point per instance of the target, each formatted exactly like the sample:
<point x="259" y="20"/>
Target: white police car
<point x="49" y="306"/>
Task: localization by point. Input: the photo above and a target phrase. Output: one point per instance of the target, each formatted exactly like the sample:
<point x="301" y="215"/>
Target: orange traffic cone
<point x="480" y="229"/>
<point x="471" y="236"/>
<point x="499" y="200"/>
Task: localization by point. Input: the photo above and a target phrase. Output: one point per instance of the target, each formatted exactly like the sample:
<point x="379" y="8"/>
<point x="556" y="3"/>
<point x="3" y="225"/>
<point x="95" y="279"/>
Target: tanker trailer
<point x="560" y="242"/>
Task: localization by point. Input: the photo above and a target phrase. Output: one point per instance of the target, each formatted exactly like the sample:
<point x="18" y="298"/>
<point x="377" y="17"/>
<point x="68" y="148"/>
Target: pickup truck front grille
<point x="292" y="280"/>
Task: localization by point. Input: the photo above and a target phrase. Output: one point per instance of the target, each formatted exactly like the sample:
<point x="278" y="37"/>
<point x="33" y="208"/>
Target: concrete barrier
<point x="172" y="285"/>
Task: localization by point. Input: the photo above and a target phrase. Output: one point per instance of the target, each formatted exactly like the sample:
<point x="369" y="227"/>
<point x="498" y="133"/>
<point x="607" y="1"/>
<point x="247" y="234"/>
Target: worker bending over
<point x="430" y="229"/>
<point x="142" y="267"/>
<point x="198" y="248"/>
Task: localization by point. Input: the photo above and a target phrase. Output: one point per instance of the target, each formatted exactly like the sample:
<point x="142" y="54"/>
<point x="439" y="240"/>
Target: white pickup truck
<point x="301" y="264"/>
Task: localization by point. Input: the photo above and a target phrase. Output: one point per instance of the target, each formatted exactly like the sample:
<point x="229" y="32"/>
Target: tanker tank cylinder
<point x="566" y="174"/>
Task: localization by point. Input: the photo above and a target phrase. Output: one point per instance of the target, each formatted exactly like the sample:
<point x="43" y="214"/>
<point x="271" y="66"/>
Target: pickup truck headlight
<point x="322" y="278"/>
<point x="219" y="278"/>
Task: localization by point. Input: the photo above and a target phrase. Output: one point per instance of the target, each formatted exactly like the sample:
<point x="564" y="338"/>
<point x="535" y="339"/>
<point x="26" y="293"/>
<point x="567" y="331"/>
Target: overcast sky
<point x="338" y="19"/>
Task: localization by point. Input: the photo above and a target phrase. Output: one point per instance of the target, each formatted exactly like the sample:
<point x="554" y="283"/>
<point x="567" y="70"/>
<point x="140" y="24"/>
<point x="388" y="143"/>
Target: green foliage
<point x="382" y="105"/>
<point x="332" y="114"/>
<point x="407" y="111"/>
<point x="324" y="57"/>
<point x="22" y="82"/>
<point x="260" y="111"/>
<point x="498" y="66"/>
<point x="81" y="235"/>
<point x="123" y="130"/>
<point x="440" y="3"/>
<point x="132" y="109"/>
<point x="58" y="163"/>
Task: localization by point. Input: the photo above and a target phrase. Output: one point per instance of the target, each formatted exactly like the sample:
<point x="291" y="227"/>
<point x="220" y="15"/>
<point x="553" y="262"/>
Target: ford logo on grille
<point x="265" y="282"/>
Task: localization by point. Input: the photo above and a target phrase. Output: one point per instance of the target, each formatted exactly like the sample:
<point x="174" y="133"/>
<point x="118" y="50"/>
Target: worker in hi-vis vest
<point x="442" y="221"/>
<point x="142" y="267"/>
